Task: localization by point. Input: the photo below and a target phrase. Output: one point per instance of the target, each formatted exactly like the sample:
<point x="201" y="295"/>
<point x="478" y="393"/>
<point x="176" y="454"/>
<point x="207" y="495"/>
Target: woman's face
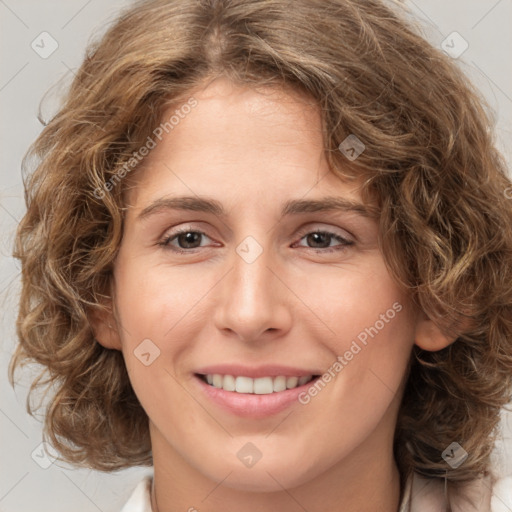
<point x="254" y="292"/>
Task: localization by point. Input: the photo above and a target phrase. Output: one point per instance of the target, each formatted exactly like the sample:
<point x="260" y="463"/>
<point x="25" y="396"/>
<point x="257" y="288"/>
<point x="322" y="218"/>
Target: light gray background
<point x="25" y="77"/>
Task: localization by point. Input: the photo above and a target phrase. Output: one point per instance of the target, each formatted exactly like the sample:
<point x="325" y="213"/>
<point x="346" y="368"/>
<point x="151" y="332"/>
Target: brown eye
<point x="186" y="240"/>
<point x="321" y="240"/>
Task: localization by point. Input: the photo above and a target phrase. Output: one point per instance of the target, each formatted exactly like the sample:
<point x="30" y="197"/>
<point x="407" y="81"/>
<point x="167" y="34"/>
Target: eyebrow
<point x="291" y="207"/>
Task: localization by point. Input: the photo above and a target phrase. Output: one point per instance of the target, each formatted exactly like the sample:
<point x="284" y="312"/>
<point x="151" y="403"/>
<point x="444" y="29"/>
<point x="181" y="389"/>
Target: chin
<point x="259" y="481"/>
<point x="271" y="476"/>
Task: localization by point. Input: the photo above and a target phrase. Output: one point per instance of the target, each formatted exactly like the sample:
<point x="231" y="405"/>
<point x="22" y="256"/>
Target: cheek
<point x="152" y="302"/>
<point x="371" y="334"/>
<point x="162" y="311"/>
<point x="158" y="309"/>
<point x="358" y="302"/>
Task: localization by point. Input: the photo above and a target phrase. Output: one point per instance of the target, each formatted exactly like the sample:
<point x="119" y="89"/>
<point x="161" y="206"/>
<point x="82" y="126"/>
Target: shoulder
<point x="421" y="494"/>
<point x="502" y="495"/>
<point x="428" y="494"/>
<point x="140" y="499"/>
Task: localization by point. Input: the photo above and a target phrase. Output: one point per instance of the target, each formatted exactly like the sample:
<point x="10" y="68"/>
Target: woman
<point x="258" y="370"/>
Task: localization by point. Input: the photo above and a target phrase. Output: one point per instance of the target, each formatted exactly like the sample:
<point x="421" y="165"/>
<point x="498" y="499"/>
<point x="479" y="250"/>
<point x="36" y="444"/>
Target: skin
<point x="294" y="305"/>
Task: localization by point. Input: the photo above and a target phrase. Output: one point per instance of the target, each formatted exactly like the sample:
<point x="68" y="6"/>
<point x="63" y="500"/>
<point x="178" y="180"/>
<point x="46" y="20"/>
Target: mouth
<point x="254" y="398"/>
<point x="257" y="386"/>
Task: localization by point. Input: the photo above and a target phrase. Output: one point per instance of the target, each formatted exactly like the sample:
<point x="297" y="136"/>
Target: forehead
<point x="241" y="144"/>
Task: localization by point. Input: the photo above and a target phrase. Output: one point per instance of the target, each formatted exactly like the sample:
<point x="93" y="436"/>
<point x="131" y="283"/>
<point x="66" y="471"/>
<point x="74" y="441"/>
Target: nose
<point x="255" y="303"/>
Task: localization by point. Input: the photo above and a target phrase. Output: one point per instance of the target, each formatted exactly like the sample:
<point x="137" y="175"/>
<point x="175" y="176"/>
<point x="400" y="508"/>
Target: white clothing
<point x="420" y="495"/>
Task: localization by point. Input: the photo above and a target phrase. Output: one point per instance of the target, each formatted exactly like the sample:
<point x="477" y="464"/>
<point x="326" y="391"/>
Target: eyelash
<point x="165" y="242"/>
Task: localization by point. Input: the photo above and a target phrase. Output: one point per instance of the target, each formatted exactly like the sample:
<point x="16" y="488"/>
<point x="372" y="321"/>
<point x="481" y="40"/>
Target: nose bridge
<point x="252" y="301"/>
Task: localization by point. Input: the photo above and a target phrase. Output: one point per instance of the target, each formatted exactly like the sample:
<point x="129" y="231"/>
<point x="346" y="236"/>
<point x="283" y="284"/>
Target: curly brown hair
<point x="429" y="161"/>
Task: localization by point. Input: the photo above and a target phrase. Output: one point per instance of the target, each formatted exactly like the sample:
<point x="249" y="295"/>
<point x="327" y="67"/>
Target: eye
<point x="323" y="239"/>
<point x="187" y="238"/>
<point x="190" y="239"/>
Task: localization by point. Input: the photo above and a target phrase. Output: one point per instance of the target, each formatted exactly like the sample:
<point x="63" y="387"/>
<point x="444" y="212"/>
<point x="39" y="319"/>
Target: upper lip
<point x="272" y="370"/>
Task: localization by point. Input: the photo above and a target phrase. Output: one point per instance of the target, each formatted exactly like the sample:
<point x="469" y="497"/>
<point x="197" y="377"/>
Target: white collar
<point x="140" y="500"/>
<point x="420" y="495"/>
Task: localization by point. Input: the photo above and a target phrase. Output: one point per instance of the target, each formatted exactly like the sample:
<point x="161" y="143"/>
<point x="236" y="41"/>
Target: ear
<point x="429" y="336"/>
<point x="104" y="327"/>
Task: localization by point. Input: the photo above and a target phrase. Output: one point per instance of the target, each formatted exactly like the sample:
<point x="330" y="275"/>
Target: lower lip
<point x="250" y="405"/>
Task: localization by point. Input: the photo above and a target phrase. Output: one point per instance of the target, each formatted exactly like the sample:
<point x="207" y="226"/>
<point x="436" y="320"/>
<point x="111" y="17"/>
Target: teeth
<point x="279" y="383"/>
<point x="259" y="386"/>
<point x="242" y="384"/>
<point x="291" y="382"/>
<point x="217" y="380"/>
<point x="229" y="383"/>
<point x="303" y="380"/>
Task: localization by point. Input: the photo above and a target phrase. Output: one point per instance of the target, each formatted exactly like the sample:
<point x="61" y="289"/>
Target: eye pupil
<point x="313" y="237"/>
<point x="188" y="238"/>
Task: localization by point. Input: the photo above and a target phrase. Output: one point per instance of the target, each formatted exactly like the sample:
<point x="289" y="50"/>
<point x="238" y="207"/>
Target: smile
<point x="257" y="386"/>
<point x="255" y="397"/>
